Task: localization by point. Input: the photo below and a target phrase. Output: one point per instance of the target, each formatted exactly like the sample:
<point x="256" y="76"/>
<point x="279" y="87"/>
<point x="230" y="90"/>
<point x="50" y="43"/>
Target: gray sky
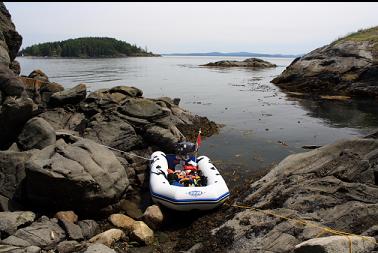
<point x="289" y="28"/>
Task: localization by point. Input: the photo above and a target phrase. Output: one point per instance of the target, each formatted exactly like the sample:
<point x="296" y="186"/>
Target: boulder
<point x="165" y="138"/>
<point x="39" y="75"/>
<point x="44" y="234"/>
<point x="37" y="133"/>
<point x="69" y="247"/>
<point x="10" y="221"/>
<point x="14" y="113"/>
<point x="73" y="231"/>
<point x="347" y="66"/>
<point x="83" y="174"/>
<point x="60" y="118"/>
<point x="142" y="233"/>
<point x="142" y="108"/>
<point x="15" y="249"/>
<point x="112" y="131"/>
<point x="89" y="228"/>
<point x="10" y="85"/>
<point x="336" y="244"/>
<point x="99" y="248"/>
<point x="69" y="96"/>
<point x="153" y="217"/>
<point x="108" y="237"/>
<point x="69" y="216"/>
<point x="12" y="174"/>
<point x="127" y="90"/>
<point x="122" y="221"/>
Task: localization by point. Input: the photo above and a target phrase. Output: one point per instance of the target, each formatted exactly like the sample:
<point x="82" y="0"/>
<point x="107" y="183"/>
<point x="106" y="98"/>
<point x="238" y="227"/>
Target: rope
<point x="128" y="153"/>
<point x="324" y="229"/>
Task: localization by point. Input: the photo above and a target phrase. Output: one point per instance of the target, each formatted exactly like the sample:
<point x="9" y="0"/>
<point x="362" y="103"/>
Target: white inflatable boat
<point x="213" y="194"/>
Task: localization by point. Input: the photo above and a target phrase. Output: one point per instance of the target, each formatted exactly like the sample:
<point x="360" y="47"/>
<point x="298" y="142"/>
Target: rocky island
<point x="87" y="47"/>
<point x="247" y="63"/>
<point x="347" y="66"/>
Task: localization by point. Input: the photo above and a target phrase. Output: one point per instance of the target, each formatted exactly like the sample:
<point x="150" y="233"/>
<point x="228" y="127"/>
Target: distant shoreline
<point x="105" y="57"/>
<point x="235" y="54"/>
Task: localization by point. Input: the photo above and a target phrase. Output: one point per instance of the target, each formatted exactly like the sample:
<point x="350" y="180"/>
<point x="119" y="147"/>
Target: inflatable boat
<point x="209" y="194"/>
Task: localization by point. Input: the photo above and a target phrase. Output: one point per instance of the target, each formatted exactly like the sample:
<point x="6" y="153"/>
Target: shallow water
<point x="262" y="124"/>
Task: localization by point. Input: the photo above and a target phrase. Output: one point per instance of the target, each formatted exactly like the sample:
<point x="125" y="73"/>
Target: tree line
<point x="85" y="47"/>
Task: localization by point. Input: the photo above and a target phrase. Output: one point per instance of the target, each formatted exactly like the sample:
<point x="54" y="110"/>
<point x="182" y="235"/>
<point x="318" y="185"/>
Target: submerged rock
<point x="248" y="63"/>
<point x="347" y="66"/>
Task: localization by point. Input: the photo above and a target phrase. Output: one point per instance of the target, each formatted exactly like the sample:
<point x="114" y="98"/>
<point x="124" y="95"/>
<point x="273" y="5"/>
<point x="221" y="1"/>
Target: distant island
<point x="86" y="47"/>
<point x="240" y="54"/>
<point x="247" y="63"/>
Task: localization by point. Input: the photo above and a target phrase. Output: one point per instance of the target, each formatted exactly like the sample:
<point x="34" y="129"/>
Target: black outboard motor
<point x="184" y="148"/>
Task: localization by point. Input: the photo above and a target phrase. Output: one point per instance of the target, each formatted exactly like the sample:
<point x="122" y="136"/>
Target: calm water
<point x="258" y="116"/>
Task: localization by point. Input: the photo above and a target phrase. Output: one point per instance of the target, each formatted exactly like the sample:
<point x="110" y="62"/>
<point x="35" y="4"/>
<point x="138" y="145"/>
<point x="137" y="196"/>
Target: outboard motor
<point x="184" y="148"/>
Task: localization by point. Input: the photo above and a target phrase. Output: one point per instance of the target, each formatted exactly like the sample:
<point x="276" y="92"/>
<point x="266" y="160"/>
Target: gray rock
<point x="127" y="90"/>
<point x="12" y="174"/>
<point x="344" y="67"/>
<point x="165" y="138"/>
<point x="142" y="108"/>
<point x="83" y="174"/>
<point x="10" y="221"/>
<point x="15" y="67"/>
<point x="60" y="118"/>
<point x="69" y="96"/>
<point x="329" y="186"/>
<point x="15" y="112"/>
<point x="99" y="248"/>
<point x="15" y="249"/>
<point x="336" y="244"/>
<point x="45" y="234"/>
<point x="89" y="228"/>
<point x="73" y="231"/>
<point x="112" y="131"/>
<point x="69" y="247"/>
<point x="131" y="209"/>
<point x="37" y="133"/>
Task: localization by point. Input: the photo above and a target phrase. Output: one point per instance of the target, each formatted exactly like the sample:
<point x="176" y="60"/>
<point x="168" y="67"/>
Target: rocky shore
<point x="347" y="66"/>
<point x="247" y="63"/>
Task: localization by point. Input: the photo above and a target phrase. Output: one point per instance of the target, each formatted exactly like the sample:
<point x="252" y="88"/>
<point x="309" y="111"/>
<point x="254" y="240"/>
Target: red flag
<point x="198" y="139"/>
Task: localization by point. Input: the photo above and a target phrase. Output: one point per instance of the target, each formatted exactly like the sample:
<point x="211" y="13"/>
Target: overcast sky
<point x="289" y="28"/>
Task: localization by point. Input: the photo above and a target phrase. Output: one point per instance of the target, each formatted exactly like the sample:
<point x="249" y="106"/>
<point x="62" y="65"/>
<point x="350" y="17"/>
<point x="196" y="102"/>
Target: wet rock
<point x="15" y="249"/>
<point x="142" y="233"/>
<point x="248" y="63"/>
<point x="165" y="138"/>
<point x="10" y="221"/>
<point x="44" y="234"/>
<point x="131" y="209"/>
<point x="89" y="228"/>
<point x="99" y="248"/>
<point x="153" y="217"/>
<point x="69" y="96"/>
<point x="69" y="216"/>
<point x="336" y="244"/>
<point x="73" y="231"/>
<point x="37" y="133"/>
<point x="108" y="237"/>
<point x="122" y="221"/>
<point x="83" y="174"/>
<point x="127" y="90"/>
<point x="39" y="75"/>
<point x="69" y="247"/>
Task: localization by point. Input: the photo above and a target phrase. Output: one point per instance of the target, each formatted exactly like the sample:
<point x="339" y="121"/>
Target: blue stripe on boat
<point x="191" y="201"/>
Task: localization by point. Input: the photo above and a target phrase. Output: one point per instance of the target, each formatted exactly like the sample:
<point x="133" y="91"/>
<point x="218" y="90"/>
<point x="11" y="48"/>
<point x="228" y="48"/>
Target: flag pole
<point x="198" y="142"/>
